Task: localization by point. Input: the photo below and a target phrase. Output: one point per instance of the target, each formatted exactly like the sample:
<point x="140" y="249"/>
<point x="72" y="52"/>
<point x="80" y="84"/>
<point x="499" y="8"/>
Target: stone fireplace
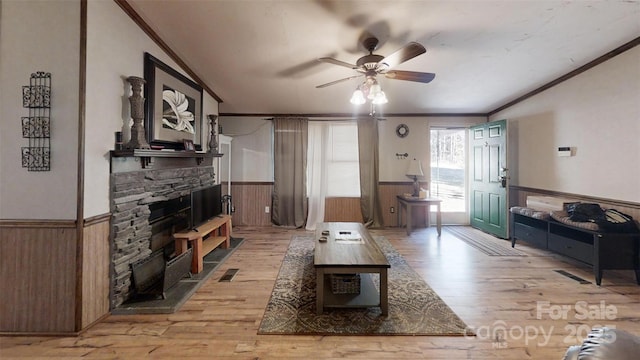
<point x="147" y="206"/>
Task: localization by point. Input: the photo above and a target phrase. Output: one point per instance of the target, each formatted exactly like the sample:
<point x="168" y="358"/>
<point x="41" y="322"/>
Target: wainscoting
<point x="250" y="199"/>
<point x="52" y="283"/>
<point x="388" y="193"/>
<point x="342" y="209"/>
<point x="96" y="260"/>
<point x="38" y="270"/>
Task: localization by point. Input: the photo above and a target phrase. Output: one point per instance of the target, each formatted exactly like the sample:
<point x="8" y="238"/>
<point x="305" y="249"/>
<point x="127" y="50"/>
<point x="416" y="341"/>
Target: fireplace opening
<point x="162" y="270"/>
<point x="167" y="218"/>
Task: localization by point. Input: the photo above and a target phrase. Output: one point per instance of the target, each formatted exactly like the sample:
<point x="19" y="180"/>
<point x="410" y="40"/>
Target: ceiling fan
<point x="372" y="64"/>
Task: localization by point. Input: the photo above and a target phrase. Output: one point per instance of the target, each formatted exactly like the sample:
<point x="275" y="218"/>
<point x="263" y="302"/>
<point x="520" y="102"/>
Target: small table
<point x="204" y="239"/>
<point x="349" y="256"/>
<point x="409" y="202"/>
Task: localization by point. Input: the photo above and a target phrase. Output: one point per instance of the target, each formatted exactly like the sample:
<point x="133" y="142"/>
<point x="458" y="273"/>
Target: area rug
<point x="484" y="242"/>
<point x="414" y="308"/>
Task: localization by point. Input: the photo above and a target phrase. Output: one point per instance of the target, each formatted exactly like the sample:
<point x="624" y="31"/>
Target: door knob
<point x="503" y="181"/>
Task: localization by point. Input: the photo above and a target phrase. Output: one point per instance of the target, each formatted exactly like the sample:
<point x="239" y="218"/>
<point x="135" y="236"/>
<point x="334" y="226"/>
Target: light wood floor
<point x="490" y="293"/>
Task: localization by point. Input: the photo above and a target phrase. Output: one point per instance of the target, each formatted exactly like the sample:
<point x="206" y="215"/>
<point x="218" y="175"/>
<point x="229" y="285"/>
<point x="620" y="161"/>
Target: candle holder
<point x="213" y="141"/>
<point x="138" y="135"/>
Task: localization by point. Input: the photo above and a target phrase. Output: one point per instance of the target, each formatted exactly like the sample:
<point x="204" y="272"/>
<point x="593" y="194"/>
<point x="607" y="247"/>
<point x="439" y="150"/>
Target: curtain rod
<point x="311" y="118"/>
<point x="348" y="115"/>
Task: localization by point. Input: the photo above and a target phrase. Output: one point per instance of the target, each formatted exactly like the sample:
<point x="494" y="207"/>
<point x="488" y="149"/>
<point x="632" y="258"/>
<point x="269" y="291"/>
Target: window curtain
<point x="318" y="173"/>
<point x="369" y="190"/>
<point x="289" y="199"/>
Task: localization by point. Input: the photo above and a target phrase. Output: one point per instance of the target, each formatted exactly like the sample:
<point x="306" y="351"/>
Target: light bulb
<point x="381" y="98"/>
<point x="357" y="98"/>
<point x="374" y="90"/>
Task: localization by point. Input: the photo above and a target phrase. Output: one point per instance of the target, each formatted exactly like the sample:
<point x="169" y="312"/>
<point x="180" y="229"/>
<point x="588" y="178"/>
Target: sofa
<point x="606" y="344"/>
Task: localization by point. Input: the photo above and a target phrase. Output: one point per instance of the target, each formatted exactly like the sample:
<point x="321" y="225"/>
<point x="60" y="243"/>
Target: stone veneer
<point x="131" y="194"/>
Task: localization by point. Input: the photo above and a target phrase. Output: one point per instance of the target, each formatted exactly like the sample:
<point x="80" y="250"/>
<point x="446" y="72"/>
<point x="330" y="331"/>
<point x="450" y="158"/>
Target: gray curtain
<point x="289" y="200"/>
<point x="369" y="191"/>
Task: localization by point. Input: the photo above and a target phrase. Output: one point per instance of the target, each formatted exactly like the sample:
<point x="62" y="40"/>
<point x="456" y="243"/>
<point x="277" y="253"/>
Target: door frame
<point x="455" y="218"/>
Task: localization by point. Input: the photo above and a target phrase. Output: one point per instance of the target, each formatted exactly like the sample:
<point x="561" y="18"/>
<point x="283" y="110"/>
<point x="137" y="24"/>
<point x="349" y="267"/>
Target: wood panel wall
<point x="342" y="209"/>
<point x="388" y="193"/>
<point x="41" y="271"/>
<point x="96" y="262"/>
<point x="38" y="276"/>
<point x="250" y="199"/>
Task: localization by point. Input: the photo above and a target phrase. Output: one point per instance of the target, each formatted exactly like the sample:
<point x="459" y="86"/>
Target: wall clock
<point x="402" y="130"/>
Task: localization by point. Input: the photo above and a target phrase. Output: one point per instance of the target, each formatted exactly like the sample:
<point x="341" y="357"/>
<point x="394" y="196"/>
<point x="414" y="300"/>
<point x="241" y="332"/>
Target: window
<point x="342" y="161"/>
<point x="340" y="154"/>
<point x="448" y="168"/>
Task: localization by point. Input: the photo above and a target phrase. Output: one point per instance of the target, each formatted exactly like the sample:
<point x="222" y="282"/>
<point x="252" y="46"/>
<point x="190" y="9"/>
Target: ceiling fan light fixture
<point x="372" y="65"/>
<point x="374" y="91"/>
<point x="358" y="97"/>
<point x="380" y="99"/>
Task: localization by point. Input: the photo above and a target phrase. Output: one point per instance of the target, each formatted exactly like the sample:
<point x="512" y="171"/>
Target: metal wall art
<point x="37" y="126"/>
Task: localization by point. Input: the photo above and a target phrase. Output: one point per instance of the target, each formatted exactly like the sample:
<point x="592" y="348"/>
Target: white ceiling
<point x="260" y="56"/>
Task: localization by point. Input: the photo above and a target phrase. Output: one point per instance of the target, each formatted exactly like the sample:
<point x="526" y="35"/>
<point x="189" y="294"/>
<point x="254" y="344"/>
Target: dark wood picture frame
<point x="188" y="145"/>
<point x="164" y="126"/>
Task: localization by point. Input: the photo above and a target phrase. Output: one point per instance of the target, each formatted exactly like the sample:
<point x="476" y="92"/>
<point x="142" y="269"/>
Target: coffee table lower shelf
<point x="369" y="295"/>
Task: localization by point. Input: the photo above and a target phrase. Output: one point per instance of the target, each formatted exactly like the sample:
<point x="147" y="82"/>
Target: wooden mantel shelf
<point x="146" y="154"/>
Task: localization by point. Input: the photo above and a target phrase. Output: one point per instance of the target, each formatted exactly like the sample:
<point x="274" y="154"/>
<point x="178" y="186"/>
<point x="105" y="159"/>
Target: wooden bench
<point x="601" y="250"/>
<point x="204" y="238"/>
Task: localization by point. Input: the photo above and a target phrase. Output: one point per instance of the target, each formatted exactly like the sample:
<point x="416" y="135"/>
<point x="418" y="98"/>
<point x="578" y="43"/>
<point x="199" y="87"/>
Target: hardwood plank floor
<point x="490" y="293"/>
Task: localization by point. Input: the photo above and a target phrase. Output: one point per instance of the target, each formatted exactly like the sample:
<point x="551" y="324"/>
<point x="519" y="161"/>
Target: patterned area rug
<point x="484" y="242"/>
<point x="414" y="308"/>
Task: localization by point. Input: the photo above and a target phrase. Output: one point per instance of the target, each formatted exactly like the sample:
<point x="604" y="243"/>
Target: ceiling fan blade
<point x="337" y="62"/>
<point x="410" y="76"/>
<point x="338" y="81"/>
<point x="408" y="52"/>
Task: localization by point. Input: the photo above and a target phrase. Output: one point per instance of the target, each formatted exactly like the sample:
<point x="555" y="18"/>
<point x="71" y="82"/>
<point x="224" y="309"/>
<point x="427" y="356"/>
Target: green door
<point x="488" y="177"/>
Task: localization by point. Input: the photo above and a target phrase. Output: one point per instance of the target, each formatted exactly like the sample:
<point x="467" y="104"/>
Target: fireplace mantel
<point x="146" y="155"/>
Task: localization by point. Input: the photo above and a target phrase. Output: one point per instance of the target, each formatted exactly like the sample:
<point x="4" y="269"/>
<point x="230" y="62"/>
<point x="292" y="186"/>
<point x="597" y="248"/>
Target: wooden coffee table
<point x="349" y="256"/>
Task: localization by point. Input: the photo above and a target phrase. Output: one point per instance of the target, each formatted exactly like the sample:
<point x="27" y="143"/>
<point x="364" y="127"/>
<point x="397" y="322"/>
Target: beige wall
<point x="597" y="113"/>
<point x="252" y="151"/>
<point x="39" y="36"/>
<point x="115" y="51"/>
<point x="251" y="147"/>
<point x="416" y="143"/>
<point x="45" y="35"/>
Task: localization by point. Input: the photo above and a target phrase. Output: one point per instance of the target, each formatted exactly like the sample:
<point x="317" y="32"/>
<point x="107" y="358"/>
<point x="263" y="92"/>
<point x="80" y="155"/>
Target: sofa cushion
<point x="572" y="353"/>
<point x="609" y="344"/>
<point x="563" y="217"/>
<point x="526" y="211"/>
